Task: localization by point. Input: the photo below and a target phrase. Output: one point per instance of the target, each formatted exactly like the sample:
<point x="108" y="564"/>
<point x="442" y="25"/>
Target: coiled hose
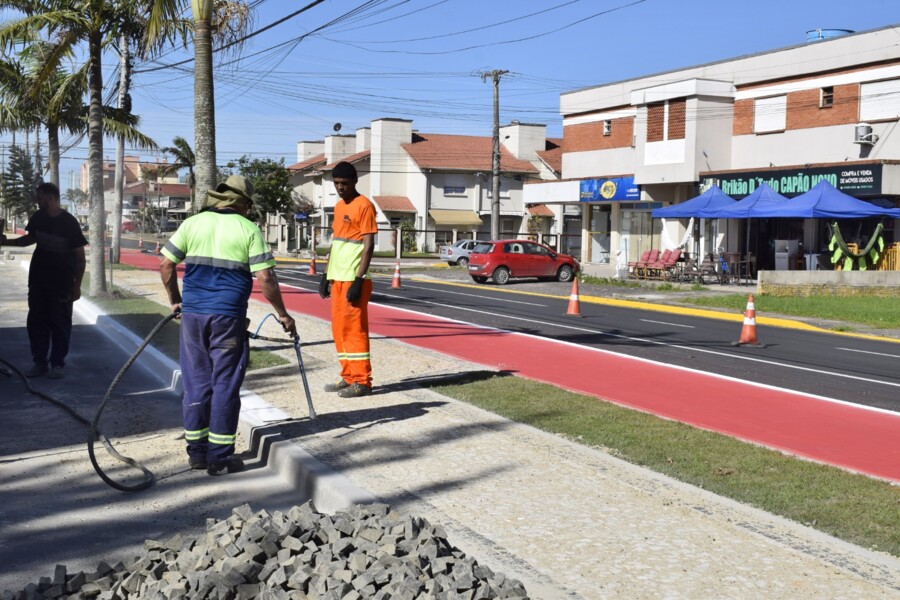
<point x="94" y="432"/>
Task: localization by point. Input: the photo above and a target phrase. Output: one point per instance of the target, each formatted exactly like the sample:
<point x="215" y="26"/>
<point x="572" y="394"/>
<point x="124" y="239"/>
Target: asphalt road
<point x="850" y="369"/>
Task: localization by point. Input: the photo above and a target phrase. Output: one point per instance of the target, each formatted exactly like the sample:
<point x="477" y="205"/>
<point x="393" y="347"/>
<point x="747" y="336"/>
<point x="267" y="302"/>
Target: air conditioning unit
<point x="863" y="134"/>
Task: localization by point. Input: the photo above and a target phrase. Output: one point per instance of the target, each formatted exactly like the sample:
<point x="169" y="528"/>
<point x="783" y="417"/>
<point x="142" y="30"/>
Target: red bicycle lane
<point x="845" y="435"/>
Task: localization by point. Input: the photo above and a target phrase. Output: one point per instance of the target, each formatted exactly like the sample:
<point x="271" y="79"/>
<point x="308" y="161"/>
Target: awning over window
<point x="454" y="217"/>
<point x="540" y="210"/>
<point x="394" y="203"/>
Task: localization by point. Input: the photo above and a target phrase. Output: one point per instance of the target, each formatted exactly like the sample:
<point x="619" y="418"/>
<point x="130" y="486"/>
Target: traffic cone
<point x="312" y="266"/>
<point x="157" y="248"/>
<point x="396" y="282"/>
<point x="140" y="241"/>
<point x="574" y="304"/>
<point x="748" y="333"/>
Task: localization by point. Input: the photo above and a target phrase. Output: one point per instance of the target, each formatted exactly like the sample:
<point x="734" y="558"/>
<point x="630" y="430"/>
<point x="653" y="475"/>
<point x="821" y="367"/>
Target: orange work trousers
<point x="350" y="329"/>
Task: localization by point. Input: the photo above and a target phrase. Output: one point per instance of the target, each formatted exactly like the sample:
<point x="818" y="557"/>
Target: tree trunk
<point x="95" y="159"/>
<point x="124" y="85"/>
<point x="204" y="103"/>
<point x="53" y="153"/>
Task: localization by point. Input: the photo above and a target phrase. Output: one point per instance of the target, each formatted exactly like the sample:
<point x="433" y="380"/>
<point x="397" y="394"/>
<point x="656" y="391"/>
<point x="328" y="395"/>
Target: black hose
<point x="95" y="434"/>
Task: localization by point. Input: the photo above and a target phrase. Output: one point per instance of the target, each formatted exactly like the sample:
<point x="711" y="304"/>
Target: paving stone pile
<point x="366" y="552"/>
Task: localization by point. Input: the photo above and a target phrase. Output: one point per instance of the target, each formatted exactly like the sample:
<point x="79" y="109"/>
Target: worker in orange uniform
<point x="346" y="281"/>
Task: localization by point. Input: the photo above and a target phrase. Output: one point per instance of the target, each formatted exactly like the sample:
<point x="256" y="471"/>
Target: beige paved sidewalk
<point x="569" y="521"/>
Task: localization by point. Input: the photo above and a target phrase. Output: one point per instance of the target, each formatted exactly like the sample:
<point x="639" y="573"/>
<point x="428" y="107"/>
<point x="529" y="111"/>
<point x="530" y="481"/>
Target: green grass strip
<point x="855" y="508"/>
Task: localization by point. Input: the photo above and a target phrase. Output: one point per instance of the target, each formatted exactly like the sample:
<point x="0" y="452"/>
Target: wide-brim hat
<point x="237" y="189"/>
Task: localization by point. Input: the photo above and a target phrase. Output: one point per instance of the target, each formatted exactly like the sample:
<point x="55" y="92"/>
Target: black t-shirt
<point x="53" y="262"/>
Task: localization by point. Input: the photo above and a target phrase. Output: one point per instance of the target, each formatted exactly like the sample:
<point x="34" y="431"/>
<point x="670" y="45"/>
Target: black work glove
<point x="325" y="286"/>
<point x="355" y="290"/>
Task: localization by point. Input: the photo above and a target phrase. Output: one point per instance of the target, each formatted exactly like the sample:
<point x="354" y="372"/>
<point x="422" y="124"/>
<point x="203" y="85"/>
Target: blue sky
<point x="421" y="59"/>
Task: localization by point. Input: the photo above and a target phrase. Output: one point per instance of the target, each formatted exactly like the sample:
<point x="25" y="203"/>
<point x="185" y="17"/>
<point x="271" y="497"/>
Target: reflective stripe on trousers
<point x="350" y="329"/>
<point x="214" y="356"/>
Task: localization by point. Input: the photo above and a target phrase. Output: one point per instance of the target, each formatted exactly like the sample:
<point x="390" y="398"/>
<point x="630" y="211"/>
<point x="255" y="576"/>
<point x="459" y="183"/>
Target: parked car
<point x="502" y="260"/>
<point x="458" y="253"/>
<point x="128" y="227"/>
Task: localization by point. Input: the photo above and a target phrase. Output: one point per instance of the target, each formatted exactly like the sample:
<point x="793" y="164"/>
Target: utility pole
<point x="495" y="76"/>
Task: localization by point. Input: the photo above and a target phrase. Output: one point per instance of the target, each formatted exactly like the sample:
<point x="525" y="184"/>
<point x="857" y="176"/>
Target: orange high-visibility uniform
<point x="350" y="322"/>
<point x="350" y="328"/>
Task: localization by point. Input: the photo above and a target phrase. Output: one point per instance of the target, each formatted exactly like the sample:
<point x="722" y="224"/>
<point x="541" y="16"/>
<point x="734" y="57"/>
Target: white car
<point x="458" y="253"/>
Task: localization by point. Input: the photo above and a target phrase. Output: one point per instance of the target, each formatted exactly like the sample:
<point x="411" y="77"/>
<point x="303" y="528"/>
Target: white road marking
<point x="657" y="343"/>
<point x="469" y="294"/>
<point x="669" y="366"/>
<point x="667" y="323"/>
<point x="868" y="352"/>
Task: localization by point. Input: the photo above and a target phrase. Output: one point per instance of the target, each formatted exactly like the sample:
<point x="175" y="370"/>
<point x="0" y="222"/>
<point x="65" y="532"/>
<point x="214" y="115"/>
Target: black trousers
<point x="49" y="324"/>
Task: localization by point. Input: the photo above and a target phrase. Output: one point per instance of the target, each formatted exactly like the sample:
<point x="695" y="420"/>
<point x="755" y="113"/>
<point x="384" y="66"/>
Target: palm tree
<point x="69" y="24"/>
<point x="184" y="158"/>
<point x="228" y="21"/>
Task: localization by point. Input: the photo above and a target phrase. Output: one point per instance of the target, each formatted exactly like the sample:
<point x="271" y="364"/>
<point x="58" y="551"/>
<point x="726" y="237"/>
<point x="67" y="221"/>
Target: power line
<point x="240" y="41"/>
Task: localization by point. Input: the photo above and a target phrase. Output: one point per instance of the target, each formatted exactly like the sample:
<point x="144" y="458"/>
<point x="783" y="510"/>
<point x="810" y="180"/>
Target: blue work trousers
<point x="214" y="354"/>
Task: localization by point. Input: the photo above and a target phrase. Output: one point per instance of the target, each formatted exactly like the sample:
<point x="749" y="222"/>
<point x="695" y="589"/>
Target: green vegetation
<point x="613" y="281"/>
<point x="852" y="507"/>
<point x="872" y="311"/>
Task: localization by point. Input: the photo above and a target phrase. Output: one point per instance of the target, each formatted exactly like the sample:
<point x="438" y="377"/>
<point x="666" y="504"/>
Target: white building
<point x="826" y="109"/>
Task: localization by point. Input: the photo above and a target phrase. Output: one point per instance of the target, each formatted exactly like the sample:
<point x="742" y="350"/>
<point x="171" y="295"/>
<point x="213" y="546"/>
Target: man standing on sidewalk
<point x="221" y="249"/>
<point x="54" y="280"/>
<point x="347" y="283"/>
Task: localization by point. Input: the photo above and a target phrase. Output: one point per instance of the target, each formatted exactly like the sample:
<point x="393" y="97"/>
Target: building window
<point x="827" y="98"/>
<point x="879" y="100"/>
<point x="607" y="127"/>
<point x="454" y="184"/>
<point x="666" y="120"/>
<point x="769" y="114"/>
<point x="656" y="120"/>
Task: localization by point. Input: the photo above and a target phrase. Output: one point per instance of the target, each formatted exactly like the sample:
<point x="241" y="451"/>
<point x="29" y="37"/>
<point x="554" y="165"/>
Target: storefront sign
<point x="617" y="188"/>
<point x="855" y="180"/>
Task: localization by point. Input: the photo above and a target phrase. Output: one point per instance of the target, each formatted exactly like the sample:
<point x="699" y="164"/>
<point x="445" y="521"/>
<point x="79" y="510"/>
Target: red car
<point x="501" y="260"/>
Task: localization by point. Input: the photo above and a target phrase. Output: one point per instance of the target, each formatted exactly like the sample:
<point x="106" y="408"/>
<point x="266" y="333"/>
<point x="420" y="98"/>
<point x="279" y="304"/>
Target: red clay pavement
<point x="844" y="435"/>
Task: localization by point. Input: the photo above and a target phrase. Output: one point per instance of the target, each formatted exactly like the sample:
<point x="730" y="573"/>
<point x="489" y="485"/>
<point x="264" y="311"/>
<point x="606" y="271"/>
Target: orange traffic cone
<point x="140" y="242"/>
<point x="157" y="248"/>
<point x="312" y="266"/>
<point x="574" y="304"/>
<point x="396" y="282"/>
<point x="748" y="333"/>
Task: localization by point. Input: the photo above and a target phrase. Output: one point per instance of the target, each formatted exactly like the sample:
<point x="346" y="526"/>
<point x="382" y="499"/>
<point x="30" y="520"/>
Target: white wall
<point x="389" y="160"/>
<point x="599" y="163"/>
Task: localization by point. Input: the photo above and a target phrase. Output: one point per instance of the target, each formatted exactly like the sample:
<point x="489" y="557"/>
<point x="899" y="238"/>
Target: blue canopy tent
<point x="761" y="203"/>
<point x="703" y="206"/>
<point x="823" y="201"/>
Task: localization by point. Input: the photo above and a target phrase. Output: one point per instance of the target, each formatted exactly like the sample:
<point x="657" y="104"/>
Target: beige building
<point x="440" y="183"/>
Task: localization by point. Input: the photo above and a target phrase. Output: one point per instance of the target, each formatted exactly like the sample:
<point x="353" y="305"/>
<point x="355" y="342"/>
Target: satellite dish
<point x="337" y="127"/>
